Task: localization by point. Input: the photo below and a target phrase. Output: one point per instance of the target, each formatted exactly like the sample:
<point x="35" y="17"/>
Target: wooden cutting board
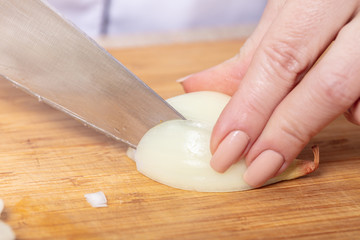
<point x="48" y="161"/>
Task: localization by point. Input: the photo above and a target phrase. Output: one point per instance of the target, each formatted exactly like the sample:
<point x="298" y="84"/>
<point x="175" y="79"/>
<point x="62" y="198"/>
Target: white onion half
<point x="177" y="153"/>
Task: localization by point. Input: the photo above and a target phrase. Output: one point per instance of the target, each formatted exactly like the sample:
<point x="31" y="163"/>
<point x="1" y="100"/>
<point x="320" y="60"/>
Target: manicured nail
<point x="180" y="80"/>
<point x="264" y="167"/>
<point x="229" y="151"/>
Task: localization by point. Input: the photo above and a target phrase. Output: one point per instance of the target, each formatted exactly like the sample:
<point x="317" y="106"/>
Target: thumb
<point x="226" y="76"/>
<point x="223" y="78"/>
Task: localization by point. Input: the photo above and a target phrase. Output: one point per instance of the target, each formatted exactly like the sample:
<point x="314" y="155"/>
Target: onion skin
<point x="299" y="168"/>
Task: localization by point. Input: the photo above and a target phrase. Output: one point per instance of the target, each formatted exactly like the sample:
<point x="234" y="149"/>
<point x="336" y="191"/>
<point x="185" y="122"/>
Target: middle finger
<point x="299" y="34"/>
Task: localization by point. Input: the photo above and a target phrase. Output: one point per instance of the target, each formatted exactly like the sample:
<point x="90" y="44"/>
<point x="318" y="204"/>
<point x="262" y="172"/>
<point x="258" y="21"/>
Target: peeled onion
<point x="177" y="152"/>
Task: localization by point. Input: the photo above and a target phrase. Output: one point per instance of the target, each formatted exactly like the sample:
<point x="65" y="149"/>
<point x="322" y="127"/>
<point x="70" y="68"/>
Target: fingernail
<point x="264" y="167"/>
<point x="180" y="80"/>
<point x="229" y="151"/>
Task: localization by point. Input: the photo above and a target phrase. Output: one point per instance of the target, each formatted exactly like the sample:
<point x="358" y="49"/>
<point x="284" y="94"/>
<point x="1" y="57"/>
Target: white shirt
<point x="117" y="17"/>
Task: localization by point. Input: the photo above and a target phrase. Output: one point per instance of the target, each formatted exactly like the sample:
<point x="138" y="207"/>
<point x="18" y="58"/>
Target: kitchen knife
<point x="50" y="58"/>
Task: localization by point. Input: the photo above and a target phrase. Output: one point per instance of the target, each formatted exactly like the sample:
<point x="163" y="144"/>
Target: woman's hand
<point x="280" y="97"/>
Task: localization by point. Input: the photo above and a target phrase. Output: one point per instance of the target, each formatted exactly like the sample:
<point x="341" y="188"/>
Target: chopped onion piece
<point x="1" y="205"/>
<point x="6" y="233"/>
<point x="97" y="199"/>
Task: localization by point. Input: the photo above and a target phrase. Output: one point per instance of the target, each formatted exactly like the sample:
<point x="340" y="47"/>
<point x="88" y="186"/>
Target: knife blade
<point x="50" y="58"/>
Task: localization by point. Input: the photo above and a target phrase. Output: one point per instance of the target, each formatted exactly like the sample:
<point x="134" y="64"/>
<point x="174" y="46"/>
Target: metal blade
<point x="51" y="59"/>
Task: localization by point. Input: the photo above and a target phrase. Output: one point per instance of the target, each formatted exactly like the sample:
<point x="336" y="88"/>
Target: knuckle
<point x="334" y="86"/>
<point x="284" y="59"/>
<point x="255" y="105"/>
<point x="294" y="134"/>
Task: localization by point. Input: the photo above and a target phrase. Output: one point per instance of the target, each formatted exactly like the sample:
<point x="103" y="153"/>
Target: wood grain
<point x="48" y="161"/>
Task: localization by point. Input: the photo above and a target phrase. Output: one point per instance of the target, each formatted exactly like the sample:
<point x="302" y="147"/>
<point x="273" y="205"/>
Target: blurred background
<point x="121" y="23"/>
